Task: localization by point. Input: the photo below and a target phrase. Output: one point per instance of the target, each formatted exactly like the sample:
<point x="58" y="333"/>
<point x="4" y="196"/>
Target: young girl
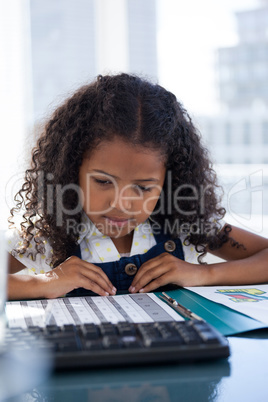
<point x="121" y="196"/>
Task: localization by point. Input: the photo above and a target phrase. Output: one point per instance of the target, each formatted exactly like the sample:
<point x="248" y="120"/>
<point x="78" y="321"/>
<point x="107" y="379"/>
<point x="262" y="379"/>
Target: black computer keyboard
<point x="106" y="344"/>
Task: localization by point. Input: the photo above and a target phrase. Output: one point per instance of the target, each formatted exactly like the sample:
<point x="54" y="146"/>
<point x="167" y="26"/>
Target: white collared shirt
<point x="96" y="247"/>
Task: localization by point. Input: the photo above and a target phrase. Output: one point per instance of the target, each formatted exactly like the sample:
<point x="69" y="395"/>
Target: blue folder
<point x="226" y="320"/>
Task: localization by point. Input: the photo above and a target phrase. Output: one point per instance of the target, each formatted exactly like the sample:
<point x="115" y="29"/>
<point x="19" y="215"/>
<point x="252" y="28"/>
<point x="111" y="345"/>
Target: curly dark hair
<point x="141" y="113"/>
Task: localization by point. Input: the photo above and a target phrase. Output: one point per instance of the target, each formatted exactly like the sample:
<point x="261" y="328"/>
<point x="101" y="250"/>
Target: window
<point x="246" y="132"/>
<point x="228" y="133"/>
<point x="265" y="132"/>
<point x="213" y="80"/>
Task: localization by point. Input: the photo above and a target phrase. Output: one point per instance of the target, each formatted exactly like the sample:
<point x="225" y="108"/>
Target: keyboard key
<point x="52" y="329"/>
<point x="126" y="329"/>
<point x="68" y="328"/>
<point x="161" y="342"/>
<point x="90" y="331"/>
<point x="68" y="346"/>
<point x="107" y="329"/>
<point x="93" y="345"/>
<point x="112" y="342"/>
<point x="131" y="342"/>
<point x="208" y="337"/>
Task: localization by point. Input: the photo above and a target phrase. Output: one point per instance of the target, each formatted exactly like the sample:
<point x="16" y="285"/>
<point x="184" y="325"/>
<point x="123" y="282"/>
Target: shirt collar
<point x="143" y="238"/>
<point x="87" y="229"/>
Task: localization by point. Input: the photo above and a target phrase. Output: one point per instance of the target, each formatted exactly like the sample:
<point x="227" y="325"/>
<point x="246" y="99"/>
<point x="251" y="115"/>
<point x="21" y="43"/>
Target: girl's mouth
<point x="117" y="221"/>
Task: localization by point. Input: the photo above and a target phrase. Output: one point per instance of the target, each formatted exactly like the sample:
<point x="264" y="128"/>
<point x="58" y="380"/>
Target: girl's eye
<point x="144" y="189"/>
<point x="102" y="182"/>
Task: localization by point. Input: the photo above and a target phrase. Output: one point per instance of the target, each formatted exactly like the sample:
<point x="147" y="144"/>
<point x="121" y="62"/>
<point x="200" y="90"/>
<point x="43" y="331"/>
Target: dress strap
<point x="77" y="252"/>
<point x="161" y="237"/>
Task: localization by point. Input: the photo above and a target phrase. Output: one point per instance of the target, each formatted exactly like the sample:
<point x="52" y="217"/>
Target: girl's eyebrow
<point x="150" y="179"/>
<point x="153" y="179"/>
<point x="103" y="172"/>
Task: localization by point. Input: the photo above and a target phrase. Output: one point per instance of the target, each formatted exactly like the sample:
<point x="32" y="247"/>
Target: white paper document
<point x="250" y="300"/>
<point x="135" y="308"/>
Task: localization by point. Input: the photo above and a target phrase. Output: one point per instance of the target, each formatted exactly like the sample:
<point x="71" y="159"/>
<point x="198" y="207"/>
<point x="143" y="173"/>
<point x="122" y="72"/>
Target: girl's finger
<point x="155" y="284"/>
<point x="89" y="271"/>
<point x="152" y="264"/>
<point x="147" y="277"/>
<point x="95" y="287"/>
<point x="91" y="268"/>
<point x="96" y="277"/>
<point x="100" y="272"/>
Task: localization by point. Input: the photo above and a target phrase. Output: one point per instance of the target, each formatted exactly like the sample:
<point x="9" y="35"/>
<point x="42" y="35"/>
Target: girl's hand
<point x="74" y="273"/>
<point x="166" y="269"/>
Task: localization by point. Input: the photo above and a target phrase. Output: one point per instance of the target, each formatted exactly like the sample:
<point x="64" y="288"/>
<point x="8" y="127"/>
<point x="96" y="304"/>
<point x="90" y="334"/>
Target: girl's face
<point x="120" y="185"/>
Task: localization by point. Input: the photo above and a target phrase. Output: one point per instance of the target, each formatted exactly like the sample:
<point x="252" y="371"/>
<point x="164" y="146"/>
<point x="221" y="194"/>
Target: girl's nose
<point x="122" y="201"/>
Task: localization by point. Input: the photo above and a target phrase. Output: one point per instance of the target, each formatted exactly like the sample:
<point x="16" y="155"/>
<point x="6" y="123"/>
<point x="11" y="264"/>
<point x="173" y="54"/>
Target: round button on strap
<point x="170" y="246"/>
<point x="131" y="269"/>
